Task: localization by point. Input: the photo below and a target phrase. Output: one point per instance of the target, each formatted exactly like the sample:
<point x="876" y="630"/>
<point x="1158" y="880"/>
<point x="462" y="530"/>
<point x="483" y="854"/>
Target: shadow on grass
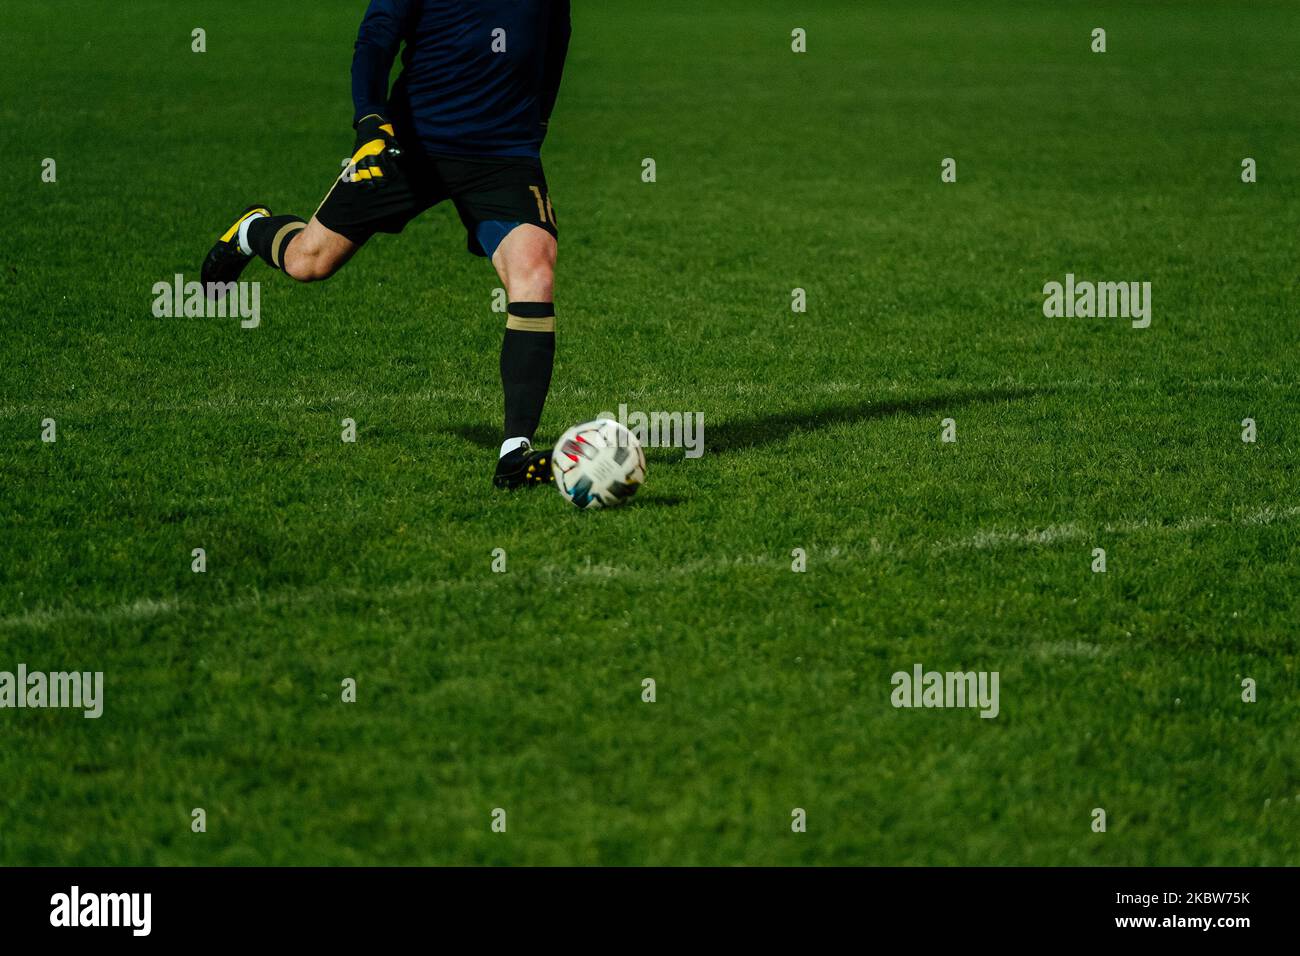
<point x="760" y="430"/>
<point x="483" y="435"/>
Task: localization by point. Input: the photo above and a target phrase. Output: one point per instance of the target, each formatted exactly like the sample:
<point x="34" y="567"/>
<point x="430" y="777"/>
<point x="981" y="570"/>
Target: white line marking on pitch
<point x="984" y="540"/>
<point x="146" y="608"/>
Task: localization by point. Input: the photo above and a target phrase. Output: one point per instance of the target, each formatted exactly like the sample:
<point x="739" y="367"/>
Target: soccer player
<point x="464" y="121"/>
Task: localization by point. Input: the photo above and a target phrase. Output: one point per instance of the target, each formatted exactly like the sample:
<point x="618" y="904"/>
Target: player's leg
<point x="304" y="251"/>
<point x="506" y="208"/>
<point x="361" y="202"/>
<point x="525" y="261"/>
<point x="315" y="253"/>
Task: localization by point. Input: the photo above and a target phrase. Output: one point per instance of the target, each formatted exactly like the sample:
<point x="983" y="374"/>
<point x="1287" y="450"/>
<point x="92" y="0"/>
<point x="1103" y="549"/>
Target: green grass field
<point x="477" y="690"/>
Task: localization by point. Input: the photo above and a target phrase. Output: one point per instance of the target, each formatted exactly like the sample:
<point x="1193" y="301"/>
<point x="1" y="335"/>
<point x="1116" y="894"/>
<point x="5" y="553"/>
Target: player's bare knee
<point x="534" y="282"/>
<point x="308" y="265"/>
<point x="531" y="270"/>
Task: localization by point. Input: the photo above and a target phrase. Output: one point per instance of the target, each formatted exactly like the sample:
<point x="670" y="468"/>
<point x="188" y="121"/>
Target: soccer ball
<point x="598" y="464"/>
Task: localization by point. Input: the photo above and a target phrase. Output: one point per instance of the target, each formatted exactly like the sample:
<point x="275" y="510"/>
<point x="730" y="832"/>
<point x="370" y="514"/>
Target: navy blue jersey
<point x="479" y="77"/>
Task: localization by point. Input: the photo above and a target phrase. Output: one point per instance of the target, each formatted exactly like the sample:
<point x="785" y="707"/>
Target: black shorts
<point x="484" y="189"/>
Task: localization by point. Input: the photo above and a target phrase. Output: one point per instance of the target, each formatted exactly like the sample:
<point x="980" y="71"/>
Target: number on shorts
<point x="545" y="211"/>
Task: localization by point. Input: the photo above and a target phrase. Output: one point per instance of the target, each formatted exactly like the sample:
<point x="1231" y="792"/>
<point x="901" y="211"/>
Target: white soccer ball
<point x="598" y="464"/>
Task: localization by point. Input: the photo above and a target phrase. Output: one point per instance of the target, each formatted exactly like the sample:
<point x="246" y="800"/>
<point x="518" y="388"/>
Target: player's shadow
<point x="757" y="431"/>
<point x="480" y="434"/>
<point x="760" y="430"/>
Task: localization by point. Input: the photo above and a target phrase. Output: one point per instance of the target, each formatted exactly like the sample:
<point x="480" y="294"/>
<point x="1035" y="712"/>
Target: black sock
<point x="527" y="355"/>
<point x="269" y="236"/>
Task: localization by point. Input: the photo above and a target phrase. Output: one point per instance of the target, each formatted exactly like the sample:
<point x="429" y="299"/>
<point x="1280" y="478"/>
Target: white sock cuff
<point x="510" y="444"/>
<point x="243" y="233"/>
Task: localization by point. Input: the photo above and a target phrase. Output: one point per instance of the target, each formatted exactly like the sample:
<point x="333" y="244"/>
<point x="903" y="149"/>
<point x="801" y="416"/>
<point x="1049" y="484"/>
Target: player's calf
<point x="307" y="252"/>
<point x="316" y="253"/>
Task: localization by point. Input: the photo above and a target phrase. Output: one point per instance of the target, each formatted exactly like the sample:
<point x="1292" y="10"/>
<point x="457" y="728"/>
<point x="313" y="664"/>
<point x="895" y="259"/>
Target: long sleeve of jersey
<point x="378" y="40"/>
<point x="557" y="49"/>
